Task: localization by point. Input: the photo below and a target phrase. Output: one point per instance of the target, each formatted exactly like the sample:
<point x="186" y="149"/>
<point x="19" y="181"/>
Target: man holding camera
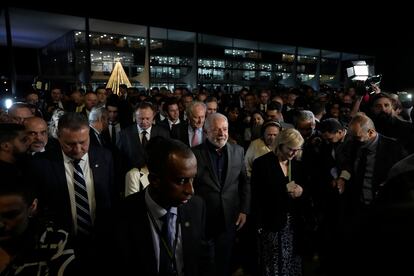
<point x="388" y="124"/>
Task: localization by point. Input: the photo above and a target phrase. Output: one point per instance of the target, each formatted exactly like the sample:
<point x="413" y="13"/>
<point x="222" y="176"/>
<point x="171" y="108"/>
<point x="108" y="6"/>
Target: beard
<point x="382" y="121"/>
<point x="382" y="116"/>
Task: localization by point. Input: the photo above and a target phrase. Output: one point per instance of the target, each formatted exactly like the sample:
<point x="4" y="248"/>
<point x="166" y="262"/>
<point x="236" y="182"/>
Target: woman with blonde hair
<point x="277" y="189"/>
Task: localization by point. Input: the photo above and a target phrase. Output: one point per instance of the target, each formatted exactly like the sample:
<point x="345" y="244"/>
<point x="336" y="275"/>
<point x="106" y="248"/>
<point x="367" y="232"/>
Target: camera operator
<point x="386" y="123"/>
<point x="363" y="90"/>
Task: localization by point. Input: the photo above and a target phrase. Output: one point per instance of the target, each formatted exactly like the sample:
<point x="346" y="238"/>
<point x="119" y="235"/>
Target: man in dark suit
<point x="172" y="111"/>
<point x="132" y="139"/>
<point x="98" y="123"/>
<point x="221" y="180"/>
<point x="191" y="133"/>
<point x="374" y="158"/>
<point x="91" y="100"/>
<point x="160" y="230"/>
<point x="37" y="134"/>
<point x="75" y="182"/>
<point x="384" y="228"/>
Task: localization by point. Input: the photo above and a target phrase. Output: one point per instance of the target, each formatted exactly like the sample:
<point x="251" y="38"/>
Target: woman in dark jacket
<point x="277" y="192"/>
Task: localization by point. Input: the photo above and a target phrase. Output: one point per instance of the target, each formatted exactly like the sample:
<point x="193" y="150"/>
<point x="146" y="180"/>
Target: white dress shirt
<point x="117" y="129"/>
<point x="87" y="173"/>
<point x="191" y="134"/>
<point x="157" y="212"/>
<point x="148" y="135"/>
<point x="171" y="123"/>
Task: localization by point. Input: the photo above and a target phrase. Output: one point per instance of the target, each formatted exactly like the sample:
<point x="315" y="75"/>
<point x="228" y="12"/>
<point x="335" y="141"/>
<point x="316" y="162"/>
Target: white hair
<point x="213" y="117"/>
<point x="96" y="114"/>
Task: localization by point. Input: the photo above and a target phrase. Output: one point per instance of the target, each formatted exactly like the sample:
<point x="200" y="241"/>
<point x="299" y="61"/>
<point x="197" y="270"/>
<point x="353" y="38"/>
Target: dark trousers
<point x="223" y="247"/>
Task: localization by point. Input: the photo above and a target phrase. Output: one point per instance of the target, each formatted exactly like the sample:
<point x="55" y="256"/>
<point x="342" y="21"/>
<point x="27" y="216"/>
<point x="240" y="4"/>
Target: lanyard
<point x="171" y="253"/>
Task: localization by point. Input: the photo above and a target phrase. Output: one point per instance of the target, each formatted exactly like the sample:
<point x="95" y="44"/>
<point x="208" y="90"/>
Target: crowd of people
<point x="164" y="182"/>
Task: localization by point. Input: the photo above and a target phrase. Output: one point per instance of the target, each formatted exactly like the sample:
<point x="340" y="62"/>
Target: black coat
<point x="133" y="246"/>
<point x="130" y="145"/>
<point x="270" y="200"/>
<point x="48" y="172"/>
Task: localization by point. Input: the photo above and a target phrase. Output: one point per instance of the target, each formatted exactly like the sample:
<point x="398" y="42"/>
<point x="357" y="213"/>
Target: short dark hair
<point x="211" y="99"/>
<point x="378" y="96"/>
<point x="144" y="105"/>
<point x="274" y="106"/>
<point x="9" y="131"/>
<point x="168" y="102"/>
<point x="73" y="121"/>
<point x="13" y="183"/>
<point x="330" y="125"/>
<point x="159" y="149"/>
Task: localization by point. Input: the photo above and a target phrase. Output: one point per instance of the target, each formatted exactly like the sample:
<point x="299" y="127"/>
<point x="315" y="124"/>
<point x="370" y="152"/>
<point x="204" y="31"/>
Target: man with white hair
<point x="191" y="133"/>
<point x="98" y="122"/>
<point x="221" y="180"/>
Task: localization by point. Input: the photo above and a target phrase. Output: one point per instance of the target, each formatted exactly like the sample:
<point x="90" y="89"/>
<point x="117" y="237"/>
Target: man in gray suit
<point x="221" y="180"/>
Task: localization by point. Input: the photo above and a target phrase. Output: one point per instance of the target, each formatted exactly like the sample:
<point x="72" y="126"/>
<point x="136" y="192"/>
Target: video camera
<point x="372" y="80"/>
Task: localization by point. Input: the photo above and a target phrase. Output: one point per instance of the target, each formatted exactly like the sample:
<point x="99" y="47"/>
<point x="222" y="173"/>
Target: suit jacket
<point x="225" y="201"/>
<point x="133" y="245"/>
<point x="118" y="161"/>
<point x="270" y="199"/>
<point x="388" y="152"/>
<point x="180" y="132"/>
<point x="105" y="139"/>
<point x="164" y="124"/>
<point x="130" y="145"/>
<point x="48" y="172"/>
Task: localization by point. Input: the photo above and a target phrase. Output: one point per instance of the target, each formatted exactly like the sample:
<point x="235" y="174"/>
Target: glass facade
<point x="180" y="58"/>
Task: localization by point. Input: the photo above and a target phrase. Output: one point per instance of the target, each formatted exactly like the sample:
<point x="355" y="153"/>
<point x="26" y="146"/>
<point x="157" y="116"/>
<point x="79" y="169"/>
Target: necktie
<point x="195" y="141"/>
<point x="166" y="244"/>
<point x="367" y="188"/>
<point x="100" y="139"/>
<point x="113" y="137"/>
<point x="83" y="216"/>
<point x="144" y="139"/>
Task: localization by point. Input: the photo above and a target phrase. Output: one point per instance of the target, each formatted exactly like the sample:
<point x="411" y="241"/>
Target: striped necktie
<point x="83" y="215"/>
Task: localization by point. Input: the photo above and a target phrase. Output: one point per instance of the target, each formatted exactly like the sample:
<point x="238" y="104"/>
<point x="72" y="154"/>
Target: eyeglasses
<point x="293" y="149"/>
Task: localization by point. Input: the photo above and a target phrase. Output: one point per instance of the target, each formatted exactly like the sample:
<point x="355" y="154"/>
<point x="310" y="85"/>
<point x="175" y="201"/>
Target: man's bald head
<point x="37" y="133"/>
